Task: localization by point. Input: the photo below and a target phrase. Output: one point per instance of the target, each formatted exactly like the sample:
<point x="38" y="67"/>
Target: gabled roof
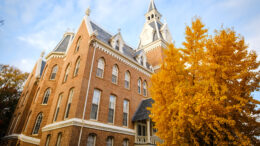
<point x="63" y="44"/>
<point x="152" y="6"/>
<point x="142" y="113"/>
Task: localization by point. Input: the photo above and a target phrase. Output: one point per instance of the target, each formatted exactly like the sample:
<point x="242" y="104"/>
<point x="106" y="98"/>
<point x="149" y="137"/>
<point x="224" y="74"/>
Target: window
<point x="9" y="131"/>
<point x="69" y="103"/>
<point x="28" y="119"/>
<point x="24" y="98"/>
<point x="127" y="79"/>
<point x="57" y="108"/>
<point x="125" y="112"/>
<point x="37" y="124"/>
<point x="152" y="15"/>
<point x="59" y="139"/>
<point x="110" y="141"/>
<point x="43" y="74"/>
<point x="112" y="104"/>
<point x="100" y="69"/>
<point x="125" y="142"/>
<point x="17" y="119"/>
<point x="145" y="88"/>
<point x="77" y="67"/>
<point x="48" y="140"/>
<point x="141" y="129"/>
<point x="114" y="74"/>
<point x="91" y="140"/>
<point x="46" y="96"/>
<point x="139" y="85"/>
<point x="95" y="103"/>
<point x="66" y="73"/>
<point x="54" y="72"/>
<point x="36" y="95"/>
<point x="78" y="44"/>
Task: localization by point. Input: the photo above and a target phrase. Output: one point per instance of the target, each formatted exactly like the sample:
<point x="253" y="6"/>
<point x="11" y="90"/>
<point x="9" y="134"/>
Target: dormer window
<point x="117" y="45"/>
<point x="142" y="60"/>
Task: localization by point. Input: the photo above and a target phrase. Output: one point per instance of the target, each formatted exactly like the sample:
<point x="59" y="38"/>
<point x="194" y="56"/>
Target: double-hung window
<point x="57" y="108"/>
<point x="95" y="104"/>
<point x="69" y="103"/>
<point x="111" y="111"/>
<point x="125" y="112"/>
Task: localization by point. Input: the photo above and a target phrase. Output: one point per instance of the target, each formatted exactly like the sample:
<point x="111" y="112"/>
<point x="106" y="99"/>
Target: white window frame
<point x="114" y="108"/>
<point x="54" y="72"/>
<point x="76" y="70"/>
<point x="48" y="139"/>
<point x="17" y="119"/>
<point x="28" y="119"/>
<point x="112" y="141"/>
<point x="35" y="124"/>
<point x="66" y="75"/>
<point x="128" y="104"/>
<point x="100" y="67"/>
<point x="36" y="95"/>
<point x="100" y="92"/>
<point x="58" y="142"/>
<point x="127" y="79"/>
<point x="115" y="71"/>
<point x="44" y="96"/>
<point x="57" y="110"/>
<point x="145" y="88"/>
<point x="69" y="103"/>
<point x="94" y="139"/>
<point x="139" y="86"/>
<point x="78" y="44"/>
<point x="127" y="142"/>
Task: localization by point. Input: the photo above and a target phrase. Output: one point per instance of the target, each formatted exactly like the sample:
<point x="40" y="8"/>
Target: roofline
<point x="124" y="56"/>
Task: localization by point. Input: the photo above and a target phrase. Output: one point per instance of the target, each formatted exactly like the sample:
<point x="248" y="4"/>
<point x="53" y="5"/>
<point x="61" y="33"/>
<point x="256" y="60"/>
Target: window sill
<point x="44" y="104"/>
<point x="99" y="77"/>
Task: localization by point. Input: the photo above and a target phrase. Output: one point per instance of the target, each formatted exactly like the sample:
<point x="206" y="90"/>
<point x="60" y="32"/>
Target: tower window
<point x="149" y="18"/>
<point x="152" y="15"/>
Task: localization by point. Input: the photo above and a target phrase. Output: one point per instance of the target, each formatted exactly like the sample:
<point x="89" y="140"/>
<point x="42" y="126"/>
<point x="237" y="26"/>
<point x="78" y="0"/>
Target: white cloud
<point x="25" y="65"/>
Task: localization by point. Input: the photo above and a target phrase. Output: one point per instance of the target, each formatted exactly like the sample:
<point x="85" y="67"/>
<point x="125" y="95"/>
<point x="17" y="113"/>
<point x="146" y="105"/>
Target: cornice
<point x="155" y="44"/>
<point x="89" y="124"/>
<point x="24" y="138"/>
<point x="55" y="55"/>
<point x="121" y="57"/>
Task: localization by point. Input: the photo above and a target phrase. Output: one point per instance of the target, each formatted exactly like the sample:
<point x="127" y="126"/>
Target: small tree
<point x="11" y="84"/>
<point x="203" y="92"/>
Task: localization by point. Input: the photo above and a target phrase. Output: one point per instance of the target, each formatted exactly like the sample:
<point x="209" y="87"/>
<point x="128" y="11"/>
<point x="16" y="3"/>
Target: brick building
<point x="92" y="89"/>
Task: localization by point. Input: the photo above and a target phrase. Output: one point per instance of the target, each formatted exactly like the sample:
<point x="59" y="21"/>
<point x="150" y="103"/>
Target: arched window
<point x="145" y="88"/>
<point x="100" y="68"/>
<point x="110" y="141"/>
<point x="78" y="44"/>
<point x="37" y="124"/>
<point x="58" y="143"/>
<point x="24" y="98"/>
<point x="91" y="140"/>
<point x="43" y="74"/>
<point x="48" y="138"/>
<point x="125" y="142"/>
<point x="36" y="95"/>
<point x="139" y="85"/>
<point x="54" y="72"/>
<point x="114" y="74"/>
<point x="28" y="119"/>
<point x="10" y="128"/>
<point x="17" y="119"/>
<point x="58" y="107"/>
<point x="69" y="103"/>
<point x="46" y="96"/>
<point x="66" y="73"/>
<point x="77" y="67"/>
<point x="152" y="15"/>
<point x="127" y="80"/>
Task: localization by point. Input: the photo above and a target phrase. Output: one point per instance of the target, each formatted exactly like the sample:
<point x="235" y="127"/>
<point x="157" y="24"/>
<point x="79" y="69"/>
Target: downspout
<point x="86" y="99"/>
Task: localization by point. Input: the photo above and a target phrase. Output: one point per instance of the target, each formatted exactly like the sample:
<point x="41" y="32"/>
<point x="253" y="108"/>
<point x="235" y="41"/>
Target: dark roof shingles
<point x="142" y="113"/>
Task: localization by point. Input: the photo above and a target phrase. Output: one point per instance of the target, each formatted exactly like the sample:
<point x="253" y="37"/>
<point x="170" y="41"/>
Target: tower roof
<point x="152" y="6"/>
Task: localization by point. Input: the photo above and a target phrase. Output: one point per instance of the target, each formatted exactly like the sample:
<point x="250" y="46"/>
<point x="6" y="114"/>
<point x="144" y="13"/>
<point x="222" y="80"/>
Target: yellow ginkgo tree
<point x="203" y="91"/>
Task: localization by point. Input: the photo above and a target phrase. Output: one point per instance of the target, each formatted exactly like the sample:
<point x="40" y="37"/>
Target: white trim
<point x="25" y="138"/>
<point x="88" y="25"/>
<point x="29" y="139"/>
<point x="156" y="44"/>
<point x="89" y="124"/>
<point x="110" y="51"/>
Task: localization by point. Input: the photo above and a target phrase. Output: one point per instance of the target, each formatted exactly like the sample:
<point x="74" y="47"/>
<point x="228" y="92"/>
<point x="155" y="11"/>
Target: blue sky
<point x="31" y="26"/>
